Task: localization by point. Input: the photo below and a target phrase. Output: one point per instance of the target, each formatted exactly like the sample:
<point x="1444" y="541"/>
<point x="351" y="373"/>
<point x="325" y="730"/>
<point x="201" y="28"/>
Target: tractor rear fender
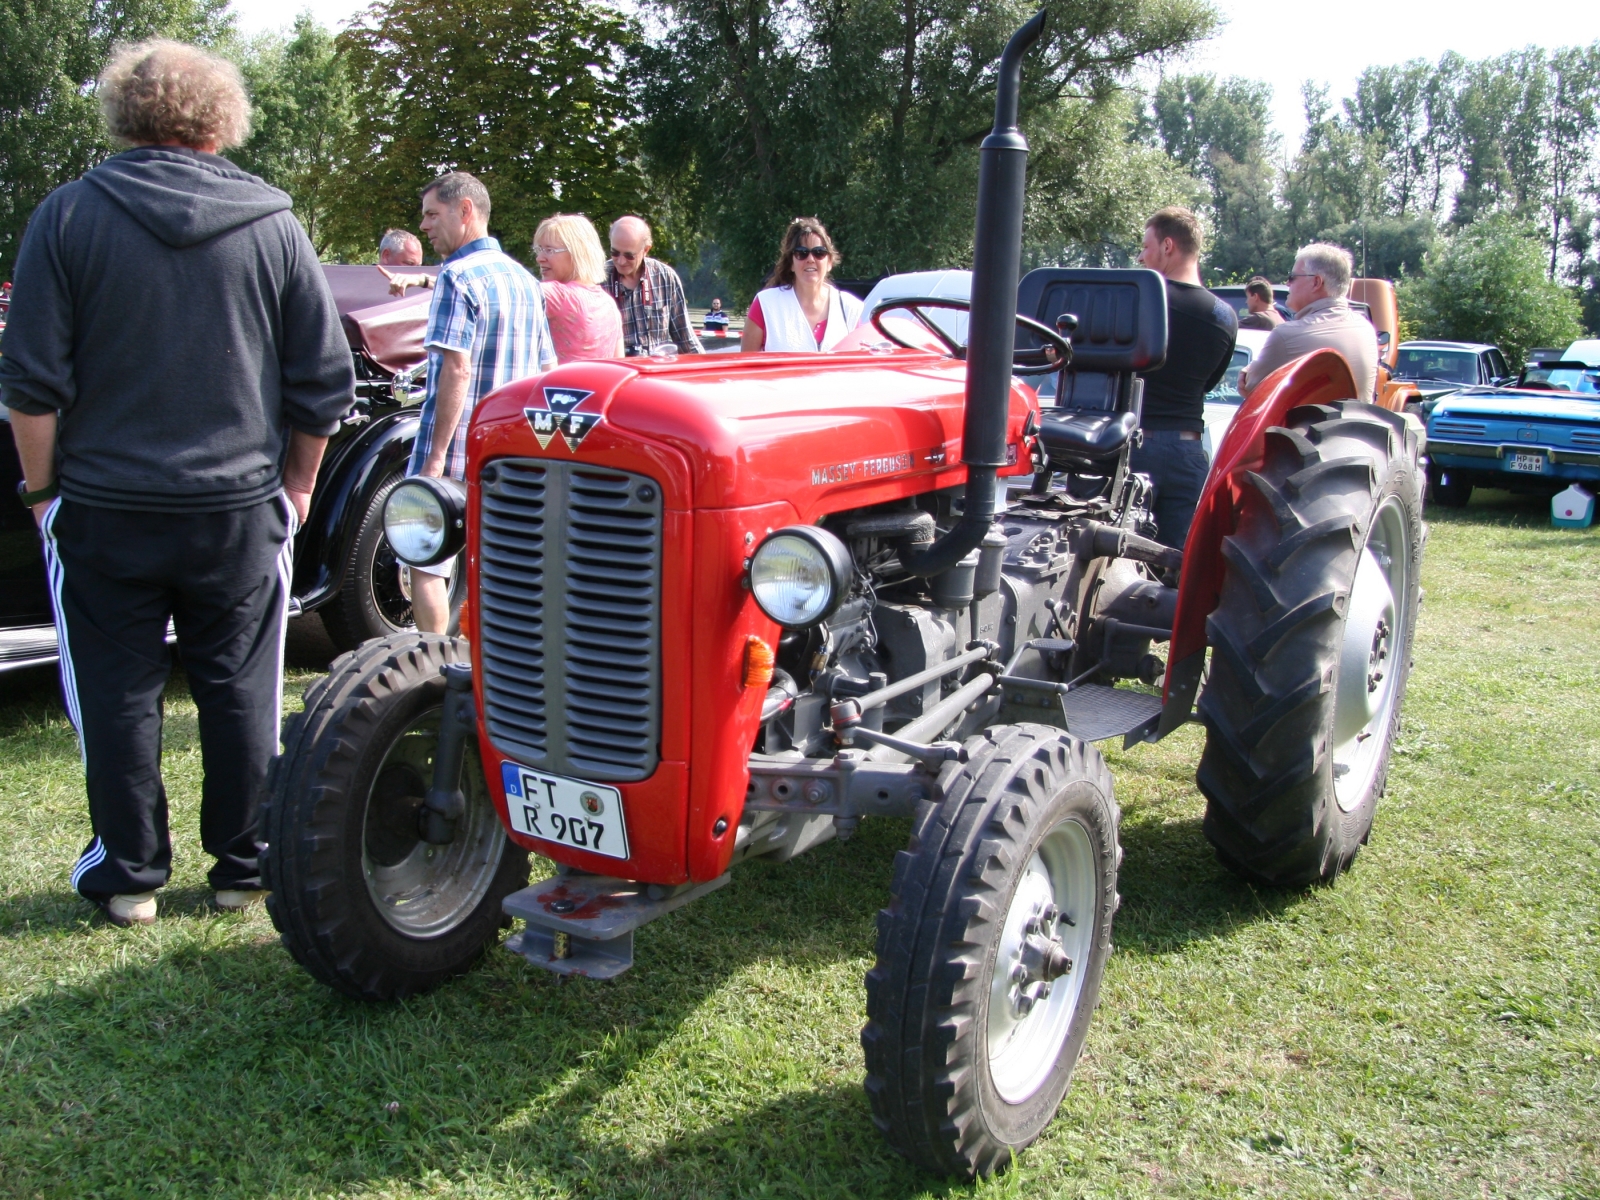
<point x="1320" y="377"/>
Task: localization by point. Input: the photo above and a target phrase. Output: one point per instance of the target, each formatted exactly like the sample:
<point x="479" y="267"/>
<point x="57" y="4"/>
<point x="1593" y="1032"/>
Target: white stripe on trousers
<point x="90" y="859"/>
<point x="285" y="587"/>
<point x="69" y="675"/>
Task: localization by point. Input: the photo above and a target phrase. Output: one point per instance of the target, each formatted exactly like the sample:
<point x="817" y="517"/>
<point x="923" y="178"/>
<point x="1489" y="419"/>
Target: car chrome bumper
<point x="28" y="646"/>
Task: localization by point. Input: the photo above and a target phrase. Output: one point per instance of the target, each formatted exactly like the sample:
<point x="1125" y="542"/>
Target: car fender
<point x="1321" y="377"/>
<point x="344" y="486"/>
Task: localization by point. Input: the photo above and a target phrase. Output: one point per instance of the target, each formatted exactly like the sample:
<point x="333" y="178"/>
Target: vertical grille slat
<point x="569" y="621"/>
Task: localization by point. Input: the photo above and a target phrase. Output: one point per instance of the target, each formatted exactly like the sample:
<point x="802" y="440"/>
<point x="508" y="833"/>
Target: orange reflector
<point x="758" y="661"/>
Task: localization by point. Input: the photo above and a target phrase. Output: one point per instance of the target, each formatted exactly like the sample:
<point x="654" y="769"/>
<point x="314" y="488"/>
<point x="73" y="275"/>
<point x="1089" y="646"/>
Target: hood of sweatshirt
<point x="185" y="196"/>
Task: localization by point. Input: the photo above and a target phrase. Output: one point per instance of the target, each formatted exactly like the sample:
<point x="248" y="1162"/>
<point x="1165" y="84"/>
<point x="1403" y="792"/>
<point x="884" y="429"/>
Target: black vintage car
<point x="344" y="568"/>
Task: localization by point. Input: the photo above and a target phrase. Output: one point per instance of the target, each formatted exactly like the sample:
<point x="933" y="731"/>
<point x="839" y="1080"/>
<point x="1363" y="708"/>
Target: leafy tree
<point x="51" y="52"/>
<point x="869" y="113"/>
<point x="1488" y="284"/>
<point x="530" y="98"/>
<point x="301" y="124"/>
<point x="1221" y="132"/>
<point x="1574" y="129"/>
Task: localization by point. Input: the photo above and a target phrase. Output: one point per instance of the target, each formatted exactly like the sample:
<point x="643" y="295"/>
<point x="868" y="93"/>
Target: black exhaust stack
<point x="996" y="267"/>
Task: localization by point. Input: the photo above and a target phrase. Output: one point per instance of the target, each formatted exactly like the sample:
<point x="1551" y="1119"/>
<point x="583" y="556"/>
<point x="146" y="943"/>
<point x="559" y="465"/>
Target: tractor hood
<point x="740" y="431"/>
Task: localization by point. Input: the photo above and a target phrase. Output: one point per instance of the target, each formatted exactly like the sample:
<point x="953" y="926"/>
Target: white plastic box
<point x="1572" y="509"/>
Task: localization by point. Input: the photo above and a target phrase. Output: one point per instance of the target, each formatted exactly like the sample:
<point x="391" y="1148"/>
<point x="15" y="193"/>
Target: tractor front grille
<point x="569" y="617"/>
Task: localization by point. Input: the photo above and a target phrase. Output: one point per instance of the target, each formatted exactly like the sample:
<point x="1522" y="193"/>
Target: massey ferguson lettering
<point x="862" y="468"/>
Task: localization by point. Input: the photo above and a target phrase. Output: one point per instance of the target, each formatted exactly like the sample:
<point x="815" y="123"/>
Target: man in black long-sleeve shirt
<point x="1201" y="331"/>
<point x="174" y="365"/>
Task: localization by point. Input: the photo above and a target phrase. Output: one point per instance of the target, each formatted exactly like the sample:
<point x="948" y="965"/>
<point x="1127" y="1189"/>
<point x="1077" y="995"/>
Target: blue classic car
<point x="1538" y="436"/>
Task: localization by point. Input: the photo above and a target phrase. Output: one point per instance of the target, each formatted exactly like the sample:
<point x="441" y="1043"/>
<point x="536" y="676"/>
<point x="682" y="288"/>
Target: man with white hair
<point x="174" y="367"/>
<point x="648" y="293"/>
<point x="399" y="248"/>
<point x="1323" y="317"/>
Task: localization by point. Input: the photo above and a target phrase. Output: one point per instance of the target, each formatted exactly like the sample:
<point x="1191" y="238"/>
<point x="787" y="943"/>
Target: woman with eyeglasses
<point x="799" y="310"/>
<point x="584" y="322"/>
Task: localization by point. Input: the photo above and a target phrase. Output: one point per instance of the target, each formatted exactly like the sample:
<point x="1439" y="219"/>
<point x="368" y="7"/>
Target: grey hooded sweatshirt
<point x="171" y="310"/>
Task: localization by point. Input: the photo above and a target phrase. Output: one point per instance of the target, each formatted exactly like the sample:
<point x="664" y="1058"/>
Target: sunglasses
<point x="813" y="251"/>
<point x="629" y="255"/>
<point x="1303" y="275"/>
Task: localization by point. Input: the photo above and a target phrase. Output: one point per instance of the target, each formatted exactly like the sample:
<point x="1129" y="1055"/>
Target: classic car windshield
<point x="1227" y="389"/>
<point x="1446" y="366"/>
<point x="1564" y="379"/>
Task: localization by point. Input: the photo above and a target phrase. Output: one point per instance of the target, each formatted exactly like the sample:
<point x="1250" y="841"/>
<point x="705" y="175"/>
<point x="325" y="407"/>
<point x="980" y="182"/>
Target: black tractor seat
<point x="1081" y="435"/>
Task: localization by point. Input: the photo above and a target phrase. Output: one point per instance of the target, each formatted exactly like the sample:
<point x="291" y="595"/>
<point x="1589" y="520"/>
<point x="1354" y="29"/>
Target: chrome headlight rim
<point x="441" y="504"/>
<point x="829" y="553"/>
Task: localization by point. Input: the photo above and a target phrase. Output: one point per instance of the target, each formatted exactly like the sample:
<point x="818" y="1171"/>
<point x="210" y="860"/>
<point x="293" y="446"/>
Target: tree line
<point x="721" y="119"/>
<point x="1418" y="155"/>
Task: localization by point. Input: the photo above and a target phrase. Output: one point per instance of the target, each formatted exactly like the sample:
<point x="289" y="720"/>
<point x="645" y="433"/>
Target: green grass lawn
<point x="1427" y="1027"/>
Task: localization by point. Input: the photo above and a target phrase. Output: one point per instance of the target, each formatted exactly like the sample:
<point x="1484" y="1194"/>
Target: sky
<point x="1283" y="42"/>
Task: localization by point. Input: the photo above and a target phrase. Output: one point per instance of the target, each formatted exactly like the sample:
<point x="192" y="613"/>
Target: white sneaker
<point x="238" y="899"/>
<point x="139" y="909"/>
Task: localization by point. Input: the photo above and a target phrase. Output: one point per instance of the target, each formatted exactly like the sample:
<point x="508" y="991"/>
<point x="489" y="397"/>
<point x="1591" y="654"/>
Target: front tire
<point x="981" y="998"/>
<point x="360" y="900"/>
<point x="1311" y="644"/>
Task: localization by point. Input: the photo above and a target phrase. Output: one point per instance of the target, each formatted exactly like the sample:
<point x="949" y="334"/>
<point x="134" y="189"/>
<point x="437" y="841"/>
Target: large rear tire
<point x="1311" y="644"/>
<point x="361" y="901"/>
<point x="991" y="951"/>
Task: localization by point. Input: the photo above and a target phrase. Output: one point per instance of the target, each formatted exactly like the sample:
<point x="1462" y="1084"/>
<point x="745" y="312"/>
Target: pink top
<point x="584" y="321"/>
<point x="760" y="322"/>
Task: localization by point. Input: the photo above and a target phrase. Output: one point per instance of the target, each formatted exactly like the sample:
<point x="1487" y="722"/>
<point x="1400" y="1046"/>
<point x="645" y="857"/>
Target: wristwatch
<point x="48" y="492"/>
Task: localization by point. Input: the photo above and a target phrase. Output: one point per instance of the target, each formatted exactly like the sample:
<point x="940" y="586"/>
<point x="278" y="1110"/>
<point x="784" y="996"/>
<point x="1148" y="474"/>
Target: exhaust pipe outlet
<point x="996" y="266"/>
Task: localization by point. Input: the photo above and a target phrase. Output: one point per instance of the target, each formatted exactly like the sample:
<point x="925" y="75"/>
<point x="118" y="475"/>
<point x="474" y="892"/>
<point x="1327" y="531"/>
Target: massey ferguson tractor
<point x="724" y="608"/>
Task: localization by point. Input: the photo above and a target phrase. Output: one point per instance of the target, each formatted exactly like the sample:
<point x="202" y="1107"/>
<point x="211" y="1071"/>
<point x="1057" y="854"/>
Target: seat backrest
<point x="1122" y="328"/>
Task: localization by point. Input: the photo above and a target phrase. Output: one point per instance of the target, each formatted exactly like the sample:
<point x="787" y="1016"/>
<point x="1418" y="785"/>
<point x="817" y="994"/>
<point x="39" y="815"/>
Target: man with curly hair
<point x="174" y="366"/>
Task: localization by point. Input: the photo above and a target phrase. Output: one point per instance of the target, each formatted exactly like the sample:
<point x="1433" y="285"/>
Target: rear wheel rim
<point x="419" y="889"/>
<point x="1025" y="1042"/>
<point x="1372" y="656"/>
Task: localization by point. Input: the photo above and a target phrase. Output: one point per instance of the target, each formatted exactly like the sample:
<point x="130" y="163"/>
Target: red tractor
<point x="726" y="608"/>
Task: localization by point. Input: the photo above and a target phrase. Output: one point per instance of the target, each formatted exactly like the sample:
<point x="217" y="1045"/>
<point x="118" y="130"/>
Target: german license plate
<point x="585" y="816"/>
<point x="1528" y="464"/>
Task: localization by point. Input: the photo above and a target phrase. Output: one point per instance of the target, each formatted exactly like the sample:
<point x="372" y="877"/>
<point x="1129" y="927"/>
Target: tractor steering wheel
<point x="1055" y="354"/>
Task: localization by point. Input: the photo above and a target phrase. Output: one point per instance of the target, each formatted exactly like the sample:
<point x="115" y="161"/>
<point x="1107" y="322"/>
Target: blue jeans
<point x="1177" y="467"/>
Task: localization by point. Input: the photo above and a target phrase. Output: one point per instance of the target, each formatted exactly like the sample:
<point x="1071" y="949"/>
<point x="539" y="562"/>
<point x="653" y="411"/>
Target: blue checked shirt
<point x="487" y="305"/>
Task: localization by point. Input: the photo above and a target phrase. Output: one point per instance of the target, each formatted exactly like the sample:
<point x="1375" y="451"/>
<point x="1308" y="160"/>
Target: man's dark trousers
<point x="1177" y="467"/>
<point x="223" y="578"/>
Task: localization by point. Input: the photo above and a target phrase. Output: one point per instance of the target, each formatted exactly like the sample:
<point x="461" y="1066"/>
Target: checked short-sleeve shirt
<point x="487" y="305"/>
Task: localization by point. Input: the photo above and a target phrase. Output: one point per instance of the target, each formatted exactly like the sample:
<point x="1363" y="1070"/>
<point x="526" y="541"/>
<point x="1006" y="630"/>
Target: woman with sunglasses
<point x="799" y="310"/>
<point x="584" y="322"/>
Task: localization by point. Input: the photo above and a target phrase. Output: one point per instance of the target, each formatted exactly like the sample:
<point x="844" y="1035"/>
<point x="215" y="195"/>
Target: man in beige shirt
<point x="1322" y="317"/>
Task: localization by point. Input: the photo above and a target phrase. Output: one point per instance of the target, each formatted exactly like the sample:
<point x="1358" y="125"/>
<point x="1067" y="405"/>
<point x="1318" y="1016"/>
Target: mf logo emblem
<point x="558" y="417"/>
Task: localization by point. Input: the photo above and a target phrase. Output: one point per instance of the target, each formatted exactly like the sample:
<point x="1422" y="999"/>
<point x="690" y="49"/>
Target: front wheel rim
<point x="1030" y="1016"/>
<point x="1372" y="656"/>
<point x="423" y="890"/>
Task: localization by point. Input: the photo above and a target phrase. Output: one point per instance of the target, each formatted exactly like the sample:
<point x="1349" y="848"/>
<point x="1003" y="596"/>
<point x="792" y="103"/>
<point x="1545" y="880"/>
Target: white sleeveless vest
<point x="788" y="329"/>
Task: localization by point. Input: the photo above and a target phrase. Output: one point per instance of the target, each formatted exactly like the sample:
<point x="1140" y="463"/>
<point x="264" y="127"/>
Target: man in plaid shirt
<point x="486" y="327"/>
<point x="649" y="293"/>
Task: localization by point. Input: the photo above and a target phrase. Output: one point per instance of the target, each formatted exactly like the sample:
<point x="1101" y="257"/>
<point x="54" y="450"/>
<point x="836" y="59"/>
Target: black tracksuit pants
<point x="223" y="578"/>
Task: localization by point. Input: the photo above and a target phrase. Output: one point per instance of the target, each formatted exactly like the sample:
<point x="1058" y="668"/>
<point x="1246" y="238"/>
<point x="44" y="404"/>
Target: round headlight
<point x="799" y="574"/>
<point x="425" y="520"/>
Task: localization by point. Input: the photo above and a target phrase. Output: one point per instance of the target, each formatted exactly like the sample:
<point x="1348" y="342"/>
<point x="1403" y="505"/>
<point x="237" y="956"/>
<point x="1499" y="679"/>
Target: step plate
<point x="1094" y="712"/>
<point x="583" y="924"/>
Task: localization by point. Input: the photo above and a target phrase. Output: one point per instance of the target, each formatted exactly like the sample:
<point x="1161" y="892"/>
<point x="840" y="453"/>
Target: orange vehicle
<point x="1384" y="312"/>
